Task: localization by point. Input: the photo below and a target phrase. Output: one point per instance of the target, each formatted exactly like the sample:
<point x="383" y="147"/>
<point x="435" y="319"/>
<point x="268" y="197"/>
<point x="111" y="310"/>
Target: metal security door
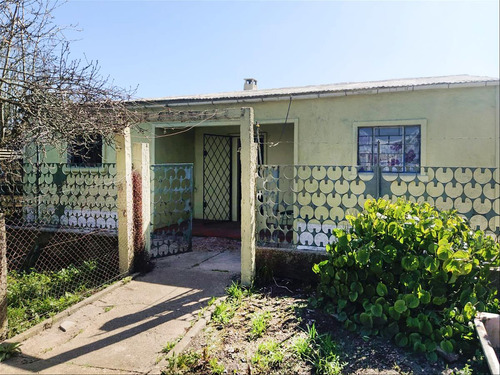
<point x="217" y="177"/>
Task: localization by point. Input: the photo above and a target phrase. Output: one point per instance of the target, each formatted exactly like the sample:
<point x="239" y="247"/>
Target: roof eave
<point x="265" y="97"/>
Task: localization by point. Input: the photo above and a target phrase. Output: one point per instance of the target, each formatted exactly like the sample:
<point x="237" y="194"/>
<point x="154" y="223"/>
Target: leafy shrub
<point x="409" y="272"/>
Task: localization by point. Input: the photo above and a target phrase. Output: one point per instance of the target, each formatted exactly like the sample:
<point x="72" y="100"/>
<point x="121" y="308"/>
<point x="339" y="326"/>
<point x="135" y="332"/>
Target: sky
<point x="170" y="48"/>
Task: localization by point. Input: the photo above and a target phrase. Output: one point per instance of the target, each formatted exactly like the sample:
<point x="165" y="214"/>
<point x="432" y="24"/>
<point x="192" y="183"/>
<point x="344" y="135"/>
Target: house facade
<point x="431" y="139"/>
<point x="401" y="125"/>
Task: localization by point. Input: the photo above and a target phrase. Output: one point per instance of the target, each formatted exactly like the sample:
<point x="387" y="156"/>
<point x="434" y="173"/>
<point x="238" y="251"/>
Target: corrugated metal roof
<point x="337" y="89"/>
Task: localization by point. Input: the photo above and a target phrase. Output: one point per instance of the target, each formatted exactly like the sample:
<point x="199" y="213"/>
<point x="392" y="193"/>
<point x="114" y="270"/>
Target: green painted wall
<point x="462" y="123"/>
<point x="174" y="148"/>
<point x="53" y="155"/>
<point x="462" y="128"/>
<point x="279" y="143"/>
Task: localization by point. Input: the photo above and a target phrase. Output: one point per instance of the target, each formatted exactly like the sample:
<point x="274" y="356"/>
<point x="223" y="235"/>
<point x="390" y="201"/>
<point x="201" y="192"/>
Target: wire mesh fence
<point x="298" y="206"/>
<point x="61" y="236"/>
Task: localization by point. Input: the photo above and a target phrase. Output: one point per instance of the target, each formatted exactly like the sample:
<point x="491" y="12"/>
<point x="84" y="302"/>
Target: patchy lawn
<point x="272" y="330"/>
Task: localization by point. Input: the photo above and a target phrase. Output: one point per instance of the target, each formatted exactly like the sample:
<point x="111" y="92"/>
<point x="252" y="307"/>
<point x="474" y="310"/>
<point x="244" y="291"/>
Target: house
<point x="450" y="121"/>
<point x="435" y="139"/>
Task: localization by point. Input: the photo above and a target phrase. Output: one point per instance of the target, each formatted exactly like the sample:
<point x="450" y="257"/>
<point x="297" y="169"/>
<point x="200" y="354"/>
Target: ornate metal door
<point x="217" y="177"/>
<point x="171" y="208"/>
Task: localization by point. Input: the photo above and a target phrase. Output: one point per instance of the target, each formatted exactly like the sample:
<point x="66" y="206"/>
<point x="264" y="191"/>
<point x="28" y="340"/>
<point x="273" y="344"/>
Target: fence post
<point x="378" y="173"/>
<point x="124" y="200"/>
<point x="3" y="279"/>
<point x="248" y="173"/>
<point x="378" y="180"/>
<point x="140" y="163"/>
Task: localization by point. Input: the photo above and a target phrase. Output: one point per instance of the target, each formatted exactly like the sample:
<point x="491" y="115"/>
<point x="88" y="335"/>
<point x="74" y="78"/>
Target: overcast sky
<point x="169" y="48"/>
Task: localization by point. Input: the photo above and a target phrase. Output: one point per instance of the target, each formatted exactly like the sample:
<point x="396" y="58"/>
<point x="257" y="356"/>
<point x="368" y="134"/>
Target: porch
<point x="214" y="151"/>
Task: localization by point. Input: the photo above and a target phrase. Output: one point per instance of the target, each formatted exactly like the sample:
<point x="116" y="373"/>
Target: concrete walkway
<point x="126" y="329"/>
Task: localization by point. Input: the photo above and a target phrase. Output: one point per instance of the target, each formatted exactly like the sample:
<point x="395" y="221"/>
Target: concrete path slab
<point x="125" y="330"/>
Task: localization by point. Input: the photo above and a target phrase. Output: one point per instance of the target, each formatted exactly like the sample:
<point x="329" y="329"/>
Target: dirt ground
<point x="235" y="350"/>
<point x="286" y="301"/>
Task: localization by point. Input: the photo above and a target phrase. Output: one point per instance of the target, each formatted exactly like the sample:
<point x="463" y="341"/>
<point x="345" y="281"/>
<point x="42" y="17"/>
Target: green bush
<point x="409" y="272"/>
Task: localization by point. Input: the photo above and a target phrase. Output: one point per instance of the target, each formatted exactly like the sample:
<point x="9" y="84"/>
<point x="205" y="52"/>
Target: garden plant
<point x="411" y="273"/>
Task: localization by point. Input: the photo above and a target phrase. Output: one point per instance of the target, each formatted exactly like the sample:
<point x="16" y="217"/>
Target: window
<point x="84" y="152"/>
<point x="394" y="148"/>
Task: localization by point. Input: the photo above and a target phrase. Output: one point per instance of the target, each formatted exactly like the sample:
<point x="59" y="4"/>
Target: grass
<point x="170" y="345"/>
<point x="467" y="370"/>
<point x="235" y="291"/>
<point x="215" y="367"/>
<point x="302" y="348"/>
<point x="32" y="296"/>
<point x="259" y="325"/>
<point x="321" y="351"/>
<point x="223" y="312"/>
<point x="258" y="333"/>
<point x="180" y="363"/>
<point x="185" y="363"/>
<point x="269" y="355"/>
<point x="126" y="280"/>
<point x="8" y="350"/>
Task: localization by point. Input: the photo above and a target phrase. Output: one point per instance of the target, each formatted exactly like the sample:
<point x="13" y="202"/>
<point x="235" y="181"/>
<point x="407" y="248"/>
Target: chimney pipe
<point x="250" y="84"/>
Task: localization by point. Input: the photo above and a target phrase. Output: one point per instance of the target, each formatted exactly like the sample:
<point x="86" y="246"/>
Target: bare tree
<point x="46" y="98"/>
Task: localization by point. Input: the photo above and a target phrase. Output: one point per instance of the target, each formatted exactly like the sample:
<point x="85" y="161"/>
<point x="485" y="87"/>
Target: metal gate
<point x="171" y="209"/>
<point x="217" y="177"/>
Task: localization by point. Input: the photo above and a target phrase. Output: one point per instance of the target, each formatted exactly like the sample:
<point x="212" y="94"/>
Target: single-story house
<point x="450" y="121"/>
<point x="399" y="125"/>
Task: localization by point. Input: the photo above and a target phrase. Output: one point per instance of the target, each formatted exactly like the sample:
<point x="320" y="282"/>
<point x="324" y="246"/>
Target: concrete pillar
<point x="125" y="200"/>
<point x="140" y="163"/>
<point x="3" y="280"/>
<point x="248" y="175"/>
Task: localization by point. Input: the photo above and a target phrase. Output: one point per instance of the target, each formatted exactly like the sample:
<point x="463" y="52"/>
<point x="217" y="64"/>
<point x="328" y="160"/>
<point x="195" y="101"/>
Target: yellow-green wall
<point x="461" y="128"/>
<point x="462" y="123"/>
<point x="174" y="148"/>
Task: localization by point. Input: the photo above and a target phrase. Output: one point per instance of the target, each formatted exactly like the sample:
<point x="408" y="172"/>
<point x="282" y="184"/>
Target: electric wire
<point x="284" y="125"/>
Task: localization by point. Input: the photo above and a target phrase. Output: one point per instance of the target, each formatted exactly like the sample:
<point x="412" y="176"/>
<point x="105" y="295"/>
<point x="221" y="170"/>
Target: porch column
<point x="248" y="173"/>
<point x="124" y="200"/>
<point x="140" y="164"/>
